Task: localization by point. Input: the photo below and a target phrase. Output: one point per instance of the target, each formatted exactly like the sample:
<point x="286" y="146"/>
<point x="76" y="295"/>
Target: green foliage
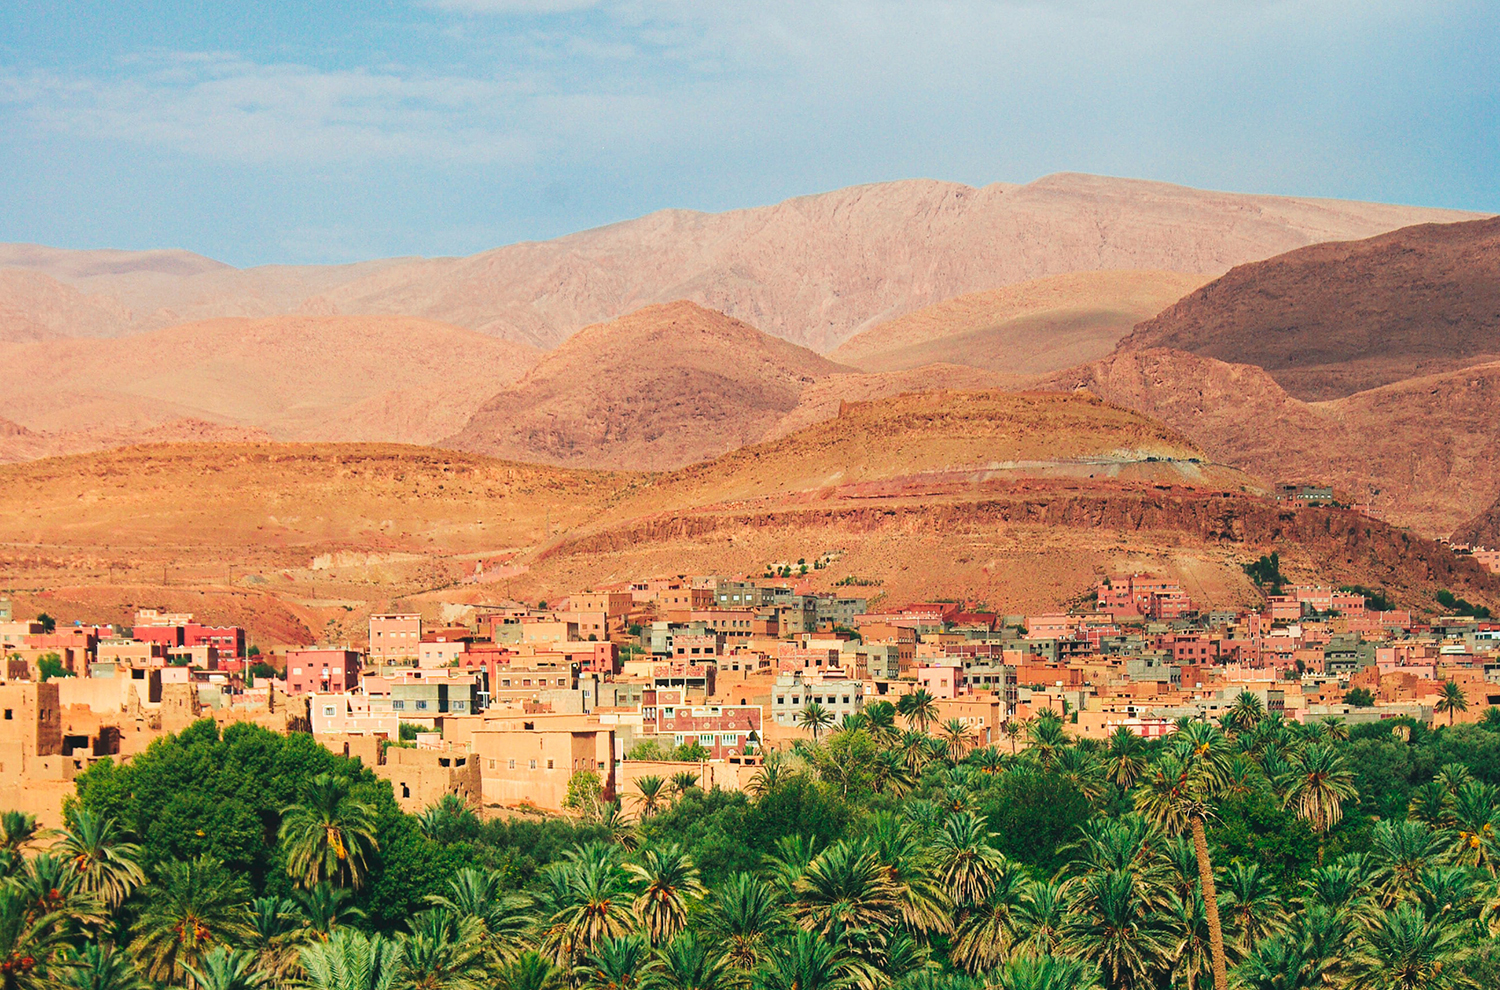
<point x="48" y="624"/>
<point x="1359" y="697"/>
<point x="50" y="665"/>
<point x="1266" y="573"/>
<point x="1374" y="600"/>
<point x="1458" y="606"/>
<point x="408" y="731"/>
<point x="1034" y="815"/>
<point x="1255" y="828"/>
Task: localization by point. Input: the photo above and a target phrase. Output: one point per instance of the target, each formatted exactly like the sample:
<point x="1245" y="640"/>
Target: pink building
<point x="940" y="681"/>
<point x="322" y="670"/>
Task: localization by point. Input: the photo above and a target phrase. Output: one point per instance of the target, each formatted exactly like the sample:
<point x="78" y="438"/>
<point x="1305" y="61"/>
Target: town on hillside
<point x="705" y="674"/>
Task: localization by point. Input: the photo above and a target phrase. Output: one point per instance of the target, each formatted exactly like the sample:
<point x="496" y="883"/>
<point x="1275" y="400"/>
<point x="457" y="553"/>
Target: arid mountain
<point x="1483" y="530"/>
<point x="1424" y="452"/>
<point x="35" y="306"/>
<point x="1033" y="327"/>
<point x="1022" y="501"/>
<point x="813" y="270"/>
<point x="326" y="378"/>
<point x="665" y="386"/>
<point x="17" y="443"/>
<point x="1333" y="319"/>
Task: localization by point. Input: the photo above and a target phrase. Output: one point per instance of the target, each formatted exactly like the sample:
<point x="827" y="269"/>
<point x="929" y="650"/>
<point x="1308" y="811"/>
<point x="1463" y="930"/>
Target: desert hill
<point x="813" y="270"/>
<point x="1017" y="499"/>
<point x="1423" y="452"/>
<point x="1032" y="327"/>
<point x="1334" y="319"/>
<point x="294" y="377"/>
<point x="663" y="386"/>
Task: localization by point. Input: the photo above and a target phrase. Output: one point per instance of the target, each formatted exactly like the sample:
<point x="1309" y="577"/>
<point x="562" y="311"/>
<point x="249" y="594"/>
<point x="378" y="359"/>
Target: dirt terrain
<point x="813" y="270"/>
<point x="987" y="496"/>
<point x="1334" y="319"/>
<point x="1044" y="325"/>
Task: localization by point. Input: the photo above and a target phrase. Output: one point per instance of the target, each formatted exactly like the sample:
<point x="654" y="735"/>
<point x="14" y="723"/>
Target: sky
<point x="320" y="131"/>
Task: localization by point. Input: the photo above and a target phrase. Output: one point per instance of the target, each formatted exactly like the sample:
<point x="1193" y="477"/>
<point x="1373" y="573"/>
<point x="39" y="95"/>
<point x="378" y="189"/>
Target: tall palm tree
<point x="1246" y="712"/>
<point x="96" y="967"/>
<point x="1252" y="905"/>
<point x="440" y="954"/>
<point x="224" y="968"/>
<point x="651" y="794"/>
<point x="959" y="737"/>
<point x="1177" y="795"/>
<point x="668" y="883"/>
<point x="903" y="848"/>
<point x="1336" y="728"/>
<point x="813" y="717"/>
<point x="880" y="720"/>
<point x="1451" y="701"/>
<point x="1404" y="950"/>
<point x="191" y="908"/>
<point x="691" y="963"/>
<point x="108" y="866"/>
<point x="745" y="916"/>
<point x="1046" y="737"/>
<point x="1124" y="758"/>
<point x="966" y="861"/>
<point x="50" y="885"/>
<point x="1317" y="786"/>
<point x="329" y="834"/>
<point x="1476" y="824"/>
<point x="1013" y="730"/>
<point x="919" y="708"/>
<point x="350" y="960"/>
<point x="805" y="962"/>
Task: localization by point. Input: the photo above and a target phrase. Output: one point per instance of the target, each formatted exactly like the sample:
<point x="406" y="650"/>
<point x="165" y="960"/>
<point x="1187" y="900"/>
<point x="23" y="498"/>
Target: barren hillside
<point x="1034" y="327"/>
<point x="1333" y="319"/>
<point x="318" y="378"/>
<point x="813" y="270"/>
<point x="665" y="386"/>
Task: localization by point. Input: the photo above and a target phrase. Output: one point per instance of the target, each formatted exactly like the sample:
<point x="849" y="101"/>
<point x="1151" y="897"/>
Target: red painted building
<point x="322" y="670"/>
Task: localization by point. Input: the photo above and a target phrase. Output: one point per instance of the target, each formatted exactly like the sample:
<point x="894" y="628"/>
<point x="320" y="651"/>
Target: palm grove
<point x="889" y="853"/>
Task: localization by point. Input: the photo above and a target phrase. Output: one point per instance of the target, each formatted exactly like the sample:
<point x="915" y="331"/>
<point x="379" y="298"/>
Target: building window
<point x="533" y="764"/>
<point x="8" y="715"/>
<point x="512" y="764"/>
<point x="549" y="764"/>
<point x="328" y="710"/>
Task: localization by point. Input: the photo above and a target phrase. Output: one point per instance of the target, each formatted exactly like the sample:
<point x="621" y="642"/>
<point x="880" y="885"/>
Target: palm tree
<point x="773" y="770"/>
<point x="1336" y="728"/>
<point x="439" y="954"/>
<point x="28" y="941"/>
<point x="844" y="888"/>
<point x="966" y="861"/>
<point x="1450" y="700"/>
<point x="1404" y="950"/>
<point x="1046" y="737"/>
<point x="622" y="962"/>
<point x="620" y="828"/>
<point x="805" y="962"/>
<point x="651" y="797"/>
<point x="278" y="932"/>
<point x="1013" y="730"/>
<point x="880" y="720"/>
<point x="668" y="882"/>
<point x="690" y="963"/>
<point x="1476" y="822"/>
<point x="683" y="781"/>
<point x="107" y="865"/>
<point x="325" y="907"/>
<point x="1177" y="795"/>
<point x="1405" y="850"/>
<point x="51" y="886"/>
<point x="1045" y="972"/>
<point x="1317" y="786"/>
<point x="919" y="709"/>
<point x="224" y="968"/>
<point x="1113" y="928"/>
<point x="1283" y="962"/>
<point x="329" y="834"/>
<point x="744" y="915"/>
<point x="1432" y="804"/>
<point x="958" y="738"/>
<point x="190" y="908"/>
<point x="350" y="960"/>
<point x="983" y="939"/>
<point x="528" y="971"/>
<point x="448" y="820"/>
<point x="1040" y="918"/>
<point x="1252" y="905"/>
<point x="1247" y="712"/>
<point x="594" y="902"/>
<point x="1081" y="768"/>
<point x="500" y="918"/>
<point x="1124" y="759"/>
<point x="902" y="847"/>
<point x="95" y="967"/>
<point x="813" y="717"/>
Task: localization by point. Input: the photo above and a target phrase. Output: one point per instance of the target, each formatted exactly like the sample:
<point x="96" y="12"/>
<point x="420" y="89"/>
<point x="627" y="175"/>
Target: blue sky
<point x="318" y="131"/>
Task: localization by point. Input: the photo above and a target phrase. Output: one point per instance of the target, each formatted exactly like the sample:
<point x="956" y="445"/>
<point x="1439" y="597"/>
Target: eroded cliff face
<point x="1339" y="545"/>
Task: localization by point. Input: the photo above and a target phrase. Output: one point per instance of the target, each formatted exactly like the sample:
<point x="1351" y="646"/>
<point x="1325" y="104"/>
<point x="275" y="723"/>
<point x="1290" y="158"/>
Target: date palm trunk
<point x="1210" y="904"/>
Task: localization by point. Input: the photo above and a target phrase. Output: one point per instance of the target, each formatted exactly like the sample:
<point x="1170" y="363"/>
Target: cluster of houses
<point x="508" y="707"/>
